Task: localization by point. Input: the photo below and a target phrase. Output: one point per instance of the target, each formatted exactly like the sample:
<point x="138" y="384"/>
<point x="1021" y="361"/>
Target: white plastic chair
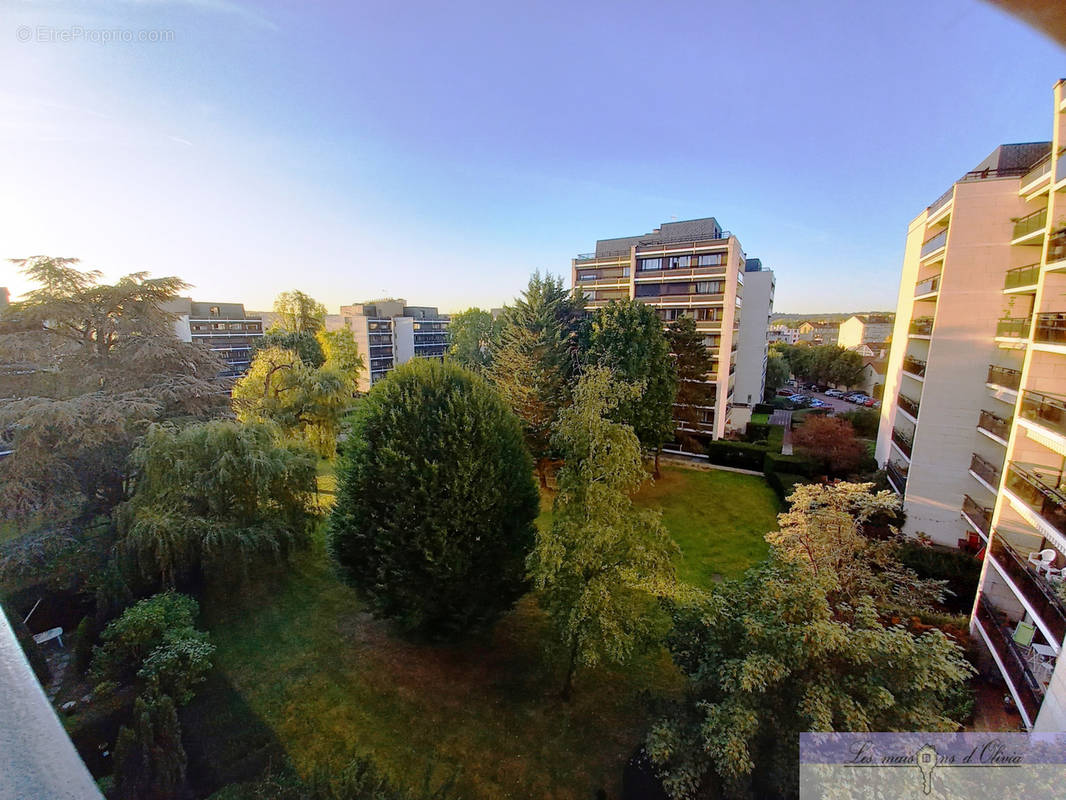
<point x="1043" y="560"/>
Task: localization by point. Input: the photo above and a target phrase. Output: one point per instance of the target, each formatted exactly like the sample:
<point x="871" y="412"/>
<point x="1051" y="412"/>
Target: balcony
<point x="1038" y="488"/>
<point x="904" y="442"/>
<point x="897" y="473"/>
<point x="1034" y="587"/>
<point x="1042" y="168"/>
<point x="934" y="244"/>
<point x="921" y="326"/>
<point x="997" y="426"/>
<point x="1045" y="410"/>
<point x="1022" y="276"/>
<point x="915" y="366"/>
<point x="1056" y="246"/>
<point x="1030" y="693"/>
<point x="1005" y="376"/>
<point x="940" y="202"/>
<point x="1013" y="327"/>
<point x="985" y="470"/>
<point x="979" y="515"/>
<point x="1050" y="328"/>
<point x="1029" y="225"/>
<point x="907" y="404"/>
<point x="928" y="286"/>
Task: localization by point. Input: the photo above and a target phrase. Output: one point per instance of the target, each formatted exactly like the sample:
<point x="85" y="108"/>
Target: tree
<point x="776" y="372"/>
<point x="768" y="657"/>
<point x="149" y="758"/>
<point x="341" y="352"/>
<point x="217" y="498"/>
<point x="693" y="364"/>
<point x="472" y="335"/>
<point x="831" y="442"/>
<point x="535" y="360"/>
<point x="626" y="336"/>
<point x="304" y="402"/>
<point x="86" y="367"/>
<point x="603" y="559"/>
<point x="436" y="500"/>
<point x="308" y="346"/>
<point x="299" y="313"/>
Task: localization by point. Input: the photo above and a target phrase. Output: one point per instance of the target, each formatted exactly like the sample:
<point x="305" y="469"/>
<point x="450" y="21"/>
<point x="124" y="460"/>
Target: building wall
<point x="753" y="343"/>
<point x="854" y="331"/>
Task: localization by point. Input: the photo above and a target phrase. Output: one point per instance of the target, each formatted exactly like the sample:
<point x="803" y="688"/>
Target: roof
<point x="874" y="319"/>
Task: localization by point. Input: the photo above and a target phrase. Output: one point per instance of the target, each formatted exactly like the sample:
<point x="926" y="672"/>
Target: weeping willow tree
<point x="216" y="499"/>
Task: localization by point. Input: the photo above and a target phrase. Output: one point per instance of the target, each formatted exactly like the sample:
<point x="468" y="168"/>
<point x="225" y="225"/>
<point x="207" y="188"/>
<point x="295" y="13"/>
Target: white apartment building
<point x="783" y="334"/>
<point x="389" y="332"/>
<point x="691" y="268"/>
<point x="754" y="344"/>
<point x="860" y="329"/>
<point x="224" y="328"/>
<point x="973" y="428"/>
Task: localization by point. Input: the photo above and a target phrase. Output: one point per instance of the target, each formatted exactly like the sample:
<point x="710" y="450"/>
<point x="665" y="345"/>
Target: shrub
<point x="762" y="408"/>
<point x="961" y="570"/>
<point x="794" y="464"/>
<point x="783" y="483"/>
<point x="742" y="455"/>
<point x="865" y="421"/>
<point x="775" y="439"/>
<point x="435" y="500"/>
<point x="757" y="431"/>
<point x="83" y="645"/>
<point x="832" y="443"/>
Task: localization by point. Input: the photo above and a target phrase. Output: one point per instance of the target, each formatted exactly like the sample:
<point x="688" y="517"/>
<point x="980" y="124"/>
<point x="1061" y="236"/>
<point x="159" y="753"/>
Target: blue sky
<point x="443" y="151"/>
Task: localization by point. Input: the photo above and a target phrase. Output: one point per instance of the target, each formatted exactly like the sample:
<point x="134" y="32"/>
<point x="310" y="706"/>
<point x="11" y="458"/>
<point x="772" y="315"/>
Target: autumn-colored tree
<point x="831" y="442"/>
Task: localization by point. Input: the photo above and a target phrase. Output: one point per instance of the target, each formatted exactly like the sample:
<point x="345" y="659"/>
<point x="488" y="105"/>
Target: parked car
<point x="833" y="393"/>
<point x="785" y="393"/>
<point x="860" y="399"/>
<point x="870" y="403"/>
<point x="816" y="403"/>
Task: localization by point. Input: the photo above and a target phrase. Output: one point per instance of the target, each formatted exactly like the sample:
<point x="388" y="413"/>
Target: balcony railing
<point x="1038" y="488"/>
<point x="1005" y="376"/>
<point x="928" y="286"/>
<point x="979" y="514"/>
<point x="1029" y="224"/>
<point x="898" y="475"/>
<point x="1050" y="328"/>
<point x="985" y="469"/>
<point x="1022" y="276"/>
<point x="915" y="366"/>
<point x="1034" y="587"/>
<point x="935" y="243"/>
<point x="908" y="404"/>
<point x="994" y="424"/>
<point x="1044" y="409"/>
<point x="1029" y="691"/>
<point x="1042" y="167"/>
<point x="1014" y="327"/>
<point x="941" y="201"/>
<point x="903" y="441"/>
<point x="1056" y="246"/>
<point x="921" y="326"/>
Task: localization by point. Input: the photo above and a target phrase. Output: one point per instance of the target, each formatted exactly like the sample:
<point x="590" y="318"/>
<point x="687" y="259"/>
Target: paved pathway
<point x="783" y="417"/>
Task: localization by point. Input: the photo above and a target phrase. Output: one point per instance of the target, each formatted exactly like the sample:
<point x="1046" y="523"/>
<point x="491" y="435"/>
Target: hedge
<point x="795" y="465"/>
<point x="757" y="431"/>
<point x="961" y="570"/>
<point x="736" y="454"/>
<point x="776" y="438"/>
<point x="762" y="408"/>
<point x="783" y="483"/>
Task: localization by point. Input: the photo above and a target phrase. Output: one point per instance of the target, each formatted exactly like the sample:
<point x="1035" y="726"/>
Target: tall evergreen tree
<point x="626" y="336"/>
<point x="535" y="360"/>
<point x="150" y="760"/>
<point x="694" y="366"/>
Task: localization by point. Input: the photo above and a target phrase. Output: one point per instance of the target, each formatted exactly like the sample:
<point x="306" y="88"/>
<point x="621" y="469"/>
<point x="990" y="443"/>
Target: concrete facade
<point x="226" y="328"/>
<point x="754" y="343"/>
<point x="862" y="329"/>
<point x="389" y="332"/>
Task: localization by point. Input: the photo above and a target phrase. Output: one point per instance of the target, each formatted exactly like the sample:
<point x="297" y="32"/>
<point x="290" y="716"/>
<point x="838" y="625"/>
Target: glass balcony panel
<point x="1034" y="586"/>
<point x="915" y="366"/>
<point x="908" y="404"/>
<point x="1014" y="327"/>
<point x="994" y="424"/>
<point x="1050" y="328"/>
<point x="903" y="441"/>
<point x="1040" y="488"/>
<point x="1044" y="409"/>
<point x="921" y="326"/>
<point x="935" y="243"/>
<point x="995" y="625"/>
<point x="981" y="515"/>
<point x="1005" y="377"/>
<point x="928" y="286"/>
<point x="988" y="471"/>
<point x="1022" y="276"/>
<point x="1031" y="223"/>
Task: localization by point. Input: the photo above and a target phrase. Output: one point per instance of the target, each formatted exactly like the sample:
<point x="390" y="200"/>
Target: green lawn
<point x="309" y="673"/>
<point x="760" y="419"/>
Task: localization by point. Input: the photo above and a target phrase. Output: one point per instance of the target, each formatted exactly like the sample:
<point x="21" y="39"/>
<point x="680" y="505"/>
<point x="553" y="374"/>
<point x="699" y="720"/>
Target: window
<point x="587" y="276"/>
<point x="213" y="311"/>
<point x="648" y="289"/>
<point x="678" y="262"/>
<point x="711" y="259"/>
<point x="625" y="272"/>
<point x="709" y="287"/>
<point x="650" y="264"/>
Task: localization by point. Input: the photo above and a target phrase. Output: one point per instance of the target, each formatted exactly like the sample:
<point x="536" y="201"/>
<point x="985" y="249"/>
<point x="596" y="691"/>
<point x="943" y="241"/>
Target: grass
<point x="760" y="419"/>
<point x="314" y="676"/>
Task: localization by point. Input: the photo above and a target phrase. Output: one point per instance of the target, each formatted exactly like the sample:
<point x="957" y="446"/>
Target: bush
<point x="762" y="408"/>
<point x="775" y="439"/>
<point x="783" y="483"/>
<point x="742" y="455"/>
<point x="961" y="570"/>
<point x="435" y="500"/>
<point x="83" y="645"/>
<point x="757" y="431"/>
<point x="794" y="464"/>
<point x="865" y="421"/>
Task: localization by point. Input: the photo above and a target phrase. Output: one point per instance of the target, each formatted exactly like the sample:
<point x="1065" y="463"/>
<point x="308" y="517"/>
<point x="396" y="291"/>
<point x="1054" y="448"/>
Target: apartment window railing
<point x="1022" y="276"/>
<point x="1060" y="170"/>
<point x="915" y="366"/>
<point x="994" y="424"/>
<point x="1043" y="167"/>
<point x="898" y="474"/>
<point x="1045" y="409"/>
<point x="903" y="441"/>
<point x="1005" y="376"/>
<point x="1051" y="328"/>
<point x="985" y="469"/>
<point x="1029" y="691"/>
<point x="921" y="326"/>
<point x="1056" y="248"/>
<point x="935" y="243"/>
<point x="980" y="515"/>
<point x="1038" y="488"/>
<point x="908" y="404"/>
<point x="1013" y="327"/>
<point x="928" y="286"/>
<point x="1029" y="224"/>
<point x="1037" y="591"/>
<point x="941" y="201"/>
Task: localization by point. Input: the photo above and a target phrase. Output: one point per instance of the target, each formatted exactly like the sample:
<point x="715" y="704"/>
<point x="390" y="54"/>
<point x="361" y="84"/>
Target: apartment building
<point x="973" y="429"/>
<point x="225" y="328"/>
<point x="860" y="329"/>
<point x="817" y="333"/>
<point x="691" y="268"/>
<point x="754" y="342"/>
<point x="389" y="332"/>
